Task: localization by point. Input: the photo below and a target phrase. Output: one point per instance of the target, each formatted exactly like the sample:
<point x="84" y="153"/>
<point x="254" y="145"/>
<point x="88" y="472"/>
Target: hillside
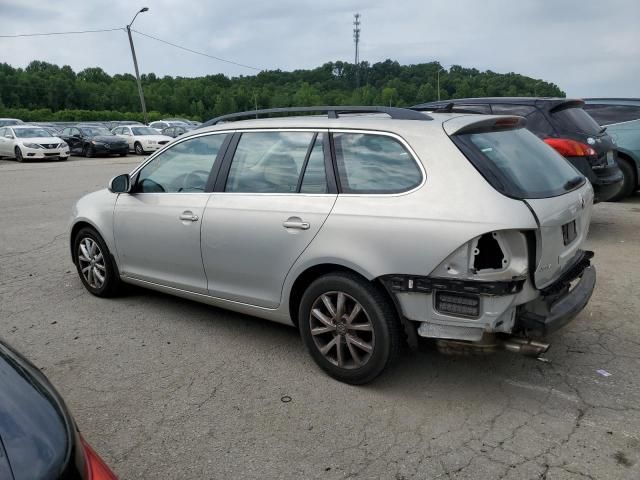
<point x="43" y="91"/>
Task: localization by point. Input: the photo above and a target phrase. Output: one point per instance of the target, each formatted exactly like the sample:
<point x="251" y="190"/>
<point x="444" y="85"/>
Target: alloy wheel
<point x="341" y="330"/>
<point x="92" y="262"/>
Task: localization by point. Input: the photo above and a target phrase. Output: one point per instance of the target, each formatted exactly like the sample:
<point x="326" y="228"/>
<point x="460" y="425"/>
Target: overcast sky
<point x="586" y="47"/>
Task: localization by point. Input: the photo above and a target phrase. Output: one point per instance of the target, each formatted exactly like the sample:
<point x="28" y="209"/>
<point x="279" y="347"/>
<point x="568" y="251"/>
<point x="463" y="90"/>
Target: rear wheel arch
<point x="308" y="276"/>
<point x="635" y="166"/>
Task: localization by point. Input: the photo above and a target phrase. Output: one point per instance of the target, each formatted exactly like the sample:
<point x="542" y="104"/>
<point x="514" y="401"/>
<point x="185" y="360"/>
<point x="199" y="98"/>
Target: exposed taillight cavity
<point x="95" y="467"/>
<point x="570" y="148"/>
<point x="458" y="304"/>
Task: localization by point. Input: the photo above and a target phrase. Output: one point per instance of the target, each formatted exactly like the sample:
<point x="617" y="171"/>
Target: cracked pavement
<point x="165" y="388"/>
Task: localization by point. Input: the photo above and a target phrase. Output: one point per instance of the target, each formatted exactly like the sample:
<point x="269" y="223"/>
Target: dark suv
<point x="563" y="124"/>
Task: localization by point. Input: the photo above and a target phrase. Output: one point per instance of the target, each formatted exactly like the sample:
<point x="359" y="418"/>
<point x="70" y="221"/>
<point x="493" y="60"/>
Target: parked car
<point x="5" y="122"/>
<point x="186" y="121"/>
<point x="91" y="140"/>
<point x="360" y="230"/>
<point x="561" y="123"/>
<point x="162" y="124"/>
<point x="174" y="132"/>
<point x="121" y="123"/>
<point x="142" y="139"/>
<point x="25" y="142"/>
<point x="40" y="438"/>
<point x="621" y="117"/>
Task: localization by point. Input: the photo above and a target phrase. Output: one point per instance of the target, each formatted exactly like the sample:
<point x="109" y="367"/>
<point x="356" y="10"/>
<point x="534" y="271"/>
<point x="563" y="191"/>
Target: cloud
<point x="584" y="47"/>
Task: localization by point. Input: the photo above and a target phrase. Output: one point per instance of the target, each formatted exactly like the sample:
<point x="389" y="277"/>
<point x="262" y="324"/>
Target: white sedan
<point x="26" y="142"/>
<point x="142" y="139"/>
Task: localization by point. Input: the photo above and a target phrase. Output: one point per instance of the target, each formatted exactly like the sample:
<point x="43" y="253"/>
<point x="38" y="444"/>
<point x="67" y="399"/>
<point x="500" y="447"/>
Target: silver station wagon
<point x="364" y="227"/>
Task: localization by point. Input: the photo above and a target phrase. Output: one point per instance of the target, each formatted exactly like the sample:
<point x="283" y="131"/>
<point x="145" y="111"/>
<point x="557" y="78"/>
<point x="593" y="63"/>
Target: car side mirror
<point x="76" y="135"/>
<point x="8" y="136"/>
<point x="120" y="184"/>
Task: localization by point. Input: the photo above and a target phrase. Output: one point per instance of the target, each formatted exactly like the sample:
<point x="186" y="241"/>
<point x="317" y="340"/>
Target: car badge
<point x="591" y="141"/>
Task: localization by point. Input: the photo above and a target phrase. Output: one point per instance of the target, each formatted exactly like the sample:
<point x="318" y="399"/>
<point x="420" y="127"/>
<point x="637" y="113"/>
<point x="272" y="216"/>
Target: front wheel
<point x="88" y="151"/>
<point x="138" y="148"/>
<point x="349" y="326"/>
<point x="94" y="264"/>
<point x="18" y="153"/>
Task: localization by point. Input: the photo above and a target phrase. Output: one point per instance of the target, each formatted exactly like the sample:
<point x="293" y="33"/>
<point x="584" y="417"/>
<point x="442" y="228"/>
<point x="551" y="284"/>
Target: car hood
<point x="107" y="139"/>
<point x="34" y="426"/>
<point x="40" y="140"/>
<point x="155" y="138"/>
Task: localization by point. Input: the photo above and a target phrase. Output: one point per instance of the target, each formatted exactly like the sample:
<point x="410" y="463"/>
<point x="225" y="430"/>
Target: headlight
<point x="94" y="142"/>
<point x="32" y="145"/>
<point x="63" y="145"/>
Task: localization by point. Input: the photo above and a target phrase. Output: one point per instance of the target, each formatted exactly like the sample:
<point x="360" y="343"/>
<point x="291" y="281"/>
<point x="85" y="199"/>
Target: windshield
<point x="96" y="131"/>
<point x="144" y="131"/>
<point x="31" y="132"/>
<point x="519" y="164"/>
<point x="576" y="120"/>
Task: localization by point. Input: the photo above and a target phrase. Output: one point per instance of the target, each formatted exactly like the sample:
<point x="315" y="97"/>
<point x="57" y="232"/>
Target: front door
<point x="157" y="226"/>
<point x="265" y="213"/>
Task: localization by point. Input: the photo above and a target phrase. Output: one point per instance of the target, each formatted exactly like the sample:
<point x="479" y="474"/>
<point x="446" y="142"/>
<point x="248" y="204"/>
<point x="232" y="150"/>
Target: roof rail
<point x="332" y="112"/>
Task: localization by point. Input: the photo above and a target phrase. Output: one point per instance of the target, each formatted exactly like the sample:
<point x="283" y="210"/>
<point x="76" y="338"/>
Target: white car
<point x="162" y="124"/>
<point x="25" y="142"/>
<point x="142" y="139"/>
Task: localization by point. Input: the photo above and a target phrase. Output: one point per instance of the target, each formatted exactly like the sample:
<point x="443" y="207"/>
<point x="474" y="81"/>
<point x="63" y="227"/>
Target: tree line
<point x="46" y="92"/>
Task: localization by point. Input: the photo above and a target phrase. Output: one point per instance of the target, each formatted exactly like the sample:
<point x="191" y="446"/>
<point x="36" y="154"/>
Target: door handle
<point x="188" y="216"/>
<point x="296" y="223"/>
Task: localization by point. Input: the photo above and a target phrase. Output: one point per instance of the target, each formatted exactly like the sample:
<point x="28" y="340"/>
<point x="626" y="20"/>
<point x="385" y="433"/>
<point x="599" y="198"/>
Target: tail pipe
<point x="525" y="346"/>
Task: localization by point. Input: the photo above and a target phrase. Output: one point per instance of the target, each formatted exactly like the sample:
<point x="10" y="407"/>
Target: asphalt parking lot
<point x="165" y="388"/>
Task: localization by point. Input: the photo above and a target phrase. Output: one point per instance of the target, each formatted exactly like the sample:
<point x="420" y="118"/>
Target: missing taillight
<point x="487" y="253"/>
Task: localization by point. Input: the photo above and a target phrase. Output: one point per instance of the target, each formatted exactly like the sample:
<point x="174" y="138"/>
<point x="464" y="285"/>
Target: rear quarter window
<point x="374" y="163"/>
<point x="575" y="120"/>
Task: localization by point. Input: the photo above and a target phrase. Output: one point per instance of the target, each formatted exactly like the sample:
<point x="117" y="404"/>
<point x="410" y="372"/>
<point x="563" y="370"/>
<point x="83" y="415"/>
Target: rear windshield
<point x="519" y="164"/>
<point x="575" y="120"/>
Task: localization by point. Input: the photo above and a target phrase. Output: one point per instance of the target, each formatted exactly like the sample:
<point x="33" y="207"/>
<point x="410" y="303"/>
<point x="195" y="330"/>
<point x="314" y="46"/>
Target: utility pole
<point x="135" y="65"/>
<point x="356" y="39"/>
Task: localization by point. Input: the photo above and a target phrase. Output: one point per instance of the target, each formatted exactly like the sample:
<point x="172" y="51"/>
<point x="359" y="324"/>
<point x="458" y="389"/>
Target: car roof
<point x="550" y="101"/>
<point x="613" y="101"/>
<point x="375" y="122"/>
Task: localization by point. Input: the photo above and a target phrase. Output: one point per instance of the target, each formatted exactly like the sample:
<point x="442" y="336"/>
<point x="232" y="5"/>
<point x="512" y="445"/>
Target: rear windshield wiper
<point x="574" y="182"/>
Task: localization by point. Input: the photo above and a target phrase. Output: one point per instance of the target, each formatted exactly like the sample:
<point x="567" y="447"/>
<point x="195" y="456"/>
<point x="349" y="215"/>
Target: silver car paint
<point x="371" y="234"/>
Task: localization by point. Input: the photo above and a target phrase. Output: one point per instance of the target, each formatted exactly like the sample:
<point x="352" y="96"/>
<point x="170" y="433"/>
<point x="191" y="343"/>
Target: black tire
<point x="18" y="154"/>
<point x="111" y="285"/>
<point x="629" y="184"/>
<point x="138" y="148"/>
<point x="88" y="151"/>
<point x="377" y="311"/>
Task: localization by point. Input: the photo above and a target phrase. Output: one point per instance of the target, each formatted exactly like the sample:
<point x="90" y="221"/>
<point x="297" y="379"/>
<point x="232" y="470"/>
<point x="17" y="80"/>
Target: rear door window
<point x="609" y="114"/>
<point x="374" y="163"/>
<point x="518" y="164"/>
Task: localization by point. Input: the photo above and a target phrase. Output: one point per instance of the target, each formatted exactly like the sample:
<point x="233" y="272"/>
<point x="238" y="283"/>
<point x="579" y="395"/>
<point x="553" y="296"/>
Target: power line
<point x="59" y="33"/>
<point x="196" y="52"/>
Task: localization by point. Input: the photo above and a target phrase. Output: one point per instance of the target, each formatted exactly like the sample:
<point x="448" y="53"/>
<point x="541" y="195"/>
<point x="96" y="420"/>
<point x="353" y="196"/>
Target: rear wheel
<point x="138" y="148"/>
<point x="94" y="264"/>
<point x="629" y="183"/>
<point x="18" y="154"/>
<point x="349" y="327"/>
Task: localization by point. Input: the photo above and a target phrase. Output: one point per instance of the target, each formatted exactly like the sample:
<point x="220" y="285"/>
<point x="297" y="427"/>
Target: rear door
<point x="272" y="197"/>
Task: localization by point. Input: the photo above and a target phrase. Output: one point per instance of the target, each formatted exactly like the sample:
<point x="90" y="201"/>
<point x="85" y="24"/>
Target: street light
<point x="135" y="64"/>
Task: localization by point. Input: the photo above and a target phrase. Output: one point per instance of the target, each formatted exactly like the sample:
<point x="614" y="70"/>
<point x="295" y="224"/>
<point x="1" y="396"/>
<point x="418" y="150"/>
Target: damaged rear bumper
<point x="506" y="307"/>
<point x="552" y="312"/>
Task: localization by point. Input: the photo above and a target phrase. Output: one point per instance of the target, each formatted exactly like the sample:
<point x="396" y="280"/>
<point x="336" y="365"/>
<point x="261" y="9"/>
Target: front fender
<point x="96" y="210"/>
